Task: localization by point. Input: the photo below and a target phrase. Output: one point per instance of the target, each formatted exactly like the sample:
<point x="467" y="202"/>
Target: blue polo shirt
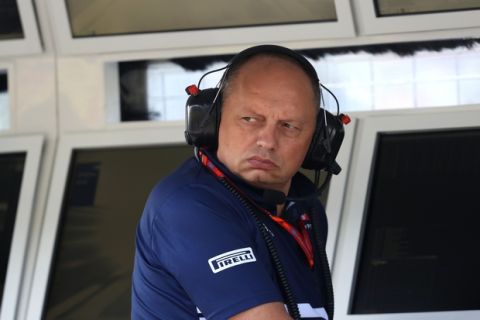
<point x="199" y="253"/>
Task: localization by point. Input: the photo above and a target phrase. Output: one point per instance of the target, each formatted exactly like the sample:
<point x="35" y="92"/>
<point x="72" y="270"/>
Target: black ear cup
<point x="326" y="142"/>
<point x="202" y="119"/>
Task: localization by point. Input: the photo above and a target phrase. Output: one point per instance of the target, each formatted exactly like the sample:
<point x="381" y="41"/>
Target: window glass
<point x="154" y="90"/>
<point x="10" y="26"/>
<point x="424" y="79"/>
<point x="106" y="192"/>
<point x="421" y="225"/>
<point x="469" y="65"/>
<point x="468" y="91"/>
<point x="352" y="69"/>
<point x="434" y="68"/>
<point x="402" y="7"/>
<point x="11" y="173"/>
<point x="437" y="93"/>
<point x="357" y="97"/>
<point x="394" y="96"/>
<point x="391" y="69"/>
<point x="4" y="102"/>
<point x="105" y="17"/>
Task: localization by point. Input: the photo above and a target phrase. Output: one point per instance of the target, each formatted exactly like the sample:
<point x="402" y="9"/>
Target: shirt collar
<point x="300" y="186"/>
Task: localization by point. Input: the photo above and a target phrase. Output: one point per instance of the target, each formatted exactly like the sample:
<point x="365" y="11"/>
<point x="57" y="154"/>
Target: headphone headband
<point x="248" y="53"/>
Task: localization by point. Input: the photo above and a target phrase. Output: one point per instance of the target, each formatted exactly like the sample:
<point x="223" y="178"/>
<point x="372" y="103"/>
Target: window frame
<point x="30" y="43"/>
<point x="357" y="189"/>
<point x="8" y="68"/>
<point x="67" y="44"/>
<point x="336" y="191"/>
<point x="32" y="145"/>
<point x="369" y="24"/>
<point x="163" y="134"/>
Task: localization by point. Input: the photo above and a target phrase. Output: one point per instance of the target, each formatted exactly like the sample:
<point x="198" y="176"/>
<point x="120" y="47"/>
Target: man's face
<point x="268" y="119"/>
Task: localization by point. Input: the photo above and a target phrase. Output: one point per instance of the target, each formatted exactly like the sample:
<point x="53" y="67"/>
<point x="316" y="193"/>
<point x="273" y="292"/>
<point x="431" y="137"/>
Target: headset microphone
<point x="273" y="197"/>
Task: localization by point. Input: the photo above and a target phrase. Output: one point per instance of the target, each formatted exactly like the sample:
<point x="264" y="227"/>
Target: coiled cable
<point x="324" y="271"/>
<point x="287" y="292"/>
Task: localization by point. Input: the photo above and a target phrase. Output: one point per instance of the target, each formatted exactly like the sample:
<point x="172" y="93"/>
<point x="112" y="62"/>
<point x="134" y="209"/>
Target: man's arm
<point x="267" y="311"/>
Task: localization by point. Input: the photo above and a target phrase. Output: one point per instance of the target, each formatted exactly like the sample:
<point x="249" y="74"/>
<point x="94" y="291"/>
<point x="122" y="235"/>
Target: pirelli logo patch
<point x="231" y="259"/>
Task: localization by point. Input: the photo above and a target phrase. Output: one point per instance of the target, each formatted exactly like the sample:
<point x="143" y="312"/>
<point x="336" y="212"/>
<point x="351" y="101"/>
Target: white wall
<point x="33" y="101"/>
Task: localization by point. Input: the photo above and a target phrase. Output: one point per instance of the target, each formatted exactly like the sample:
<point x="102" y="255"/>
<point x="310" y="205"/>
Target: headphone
<point x="203" y="111"/>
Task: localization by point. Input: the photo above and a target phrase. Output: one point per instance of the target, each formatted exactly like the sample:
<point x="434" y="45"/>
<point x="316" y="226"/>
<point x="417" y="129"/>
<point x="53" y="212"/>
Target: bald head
<point x="269" y="59"/>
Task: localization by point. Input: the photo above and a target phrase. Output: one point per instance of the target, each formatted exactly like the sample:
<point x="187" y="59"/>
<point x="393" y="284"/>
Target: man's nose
<point x="268" y="137"/>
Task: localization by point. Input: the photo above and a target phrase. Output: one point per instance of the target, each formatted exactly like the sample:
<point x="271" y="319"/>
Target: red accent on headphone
<point x="345" y="119"/>
<point x="192" y="90"/>
<point x="303" y="239"/>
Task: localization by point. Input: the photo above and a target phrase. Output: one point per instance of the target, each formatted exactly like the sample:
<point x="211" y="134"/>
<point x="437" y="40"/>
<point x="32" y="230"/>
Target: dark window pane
<point x="133" y="92"/>
<point x="4" y="102"/>
<point x="11" y="173"/>
<point x="105" y="17"/>
<point x="3" y="82"/>
<point x="10" y="25"/>
<point x="402" y="7"/>
<point x="155" y="90"/>
<point x="93" y="259"/>
<point x="420" y="244"/>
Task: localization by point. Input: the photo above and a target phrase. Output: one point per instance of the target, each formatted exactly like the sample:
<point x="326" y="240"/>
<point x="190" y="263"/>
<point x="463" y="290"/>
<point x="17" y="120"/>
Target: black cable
<point x="323" y="266"/>
<point x="325" y="183"/>
<point x="316" y="180"/>
<point x="209" y="72"/>
<point x="334" y="97"/>
<point x="322" y="255"/>
<point x="318" y="192"/>
<point x="287" y="292"/>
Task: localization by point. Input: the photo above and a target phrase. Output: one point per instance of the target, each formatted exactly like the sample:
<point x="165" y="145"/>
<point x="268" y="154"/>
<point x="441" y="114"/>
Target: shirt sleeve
<point x="212" y="247"/>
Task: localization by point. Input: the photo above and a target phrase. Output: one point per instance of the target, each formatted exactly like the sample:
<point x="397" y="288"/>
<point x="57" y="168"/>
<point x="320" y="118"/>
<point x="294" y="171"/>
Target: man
<point x="204" y="242"/>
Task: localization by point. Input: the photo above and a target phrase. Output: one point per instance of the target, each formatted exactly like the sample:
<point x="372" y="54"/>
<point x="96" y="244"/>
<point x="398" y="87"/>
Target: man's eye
<point x="290" y="129"/>
<point x="248" y="119"/>
<point x="289" y="126"/>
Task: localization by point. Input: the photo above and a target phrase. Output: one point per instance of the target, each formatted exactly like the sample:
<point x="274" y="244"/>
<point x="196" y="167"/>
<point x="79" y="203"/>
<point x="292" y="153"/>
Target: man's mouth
<point x="257" y="162"/>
